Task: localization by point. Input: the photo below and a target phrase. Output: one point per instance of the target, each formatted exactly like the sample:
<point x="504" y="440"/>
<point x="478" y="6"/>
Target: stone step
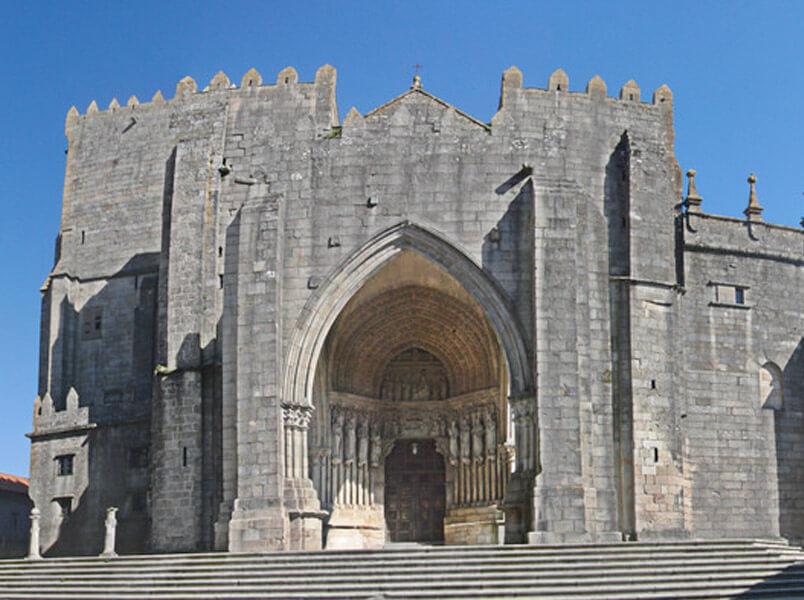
<point x="413" y="580"/>
<point x="489" y="553"/>
<point x="737" y="545"/>
<point x="682" y="590"/>
<point x="745" y="568"/>
<point x="591" y="568"/>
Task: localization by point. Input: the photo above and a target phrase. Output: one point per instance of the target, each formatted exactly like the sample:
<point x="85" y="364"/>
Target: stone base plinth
<point x="573" y="537"/>
<point x="474" y="525"/>
<point x="257" y="529"/>
<point x="517" y="508"/>
<point x="356" y="527"/>
<point x="305" y="526"/>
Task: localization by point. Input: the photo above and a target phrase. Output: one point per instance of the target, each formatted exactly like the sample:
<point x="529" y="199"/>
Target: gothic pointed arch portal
<point x="411" y="360"/>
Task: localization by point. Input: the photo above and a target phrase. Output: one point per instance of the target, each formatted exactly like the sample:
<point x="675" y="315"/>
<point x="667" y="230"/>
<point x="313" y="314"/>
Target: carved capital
<point x="296" y="416"/>
<point x="523" y="408"/>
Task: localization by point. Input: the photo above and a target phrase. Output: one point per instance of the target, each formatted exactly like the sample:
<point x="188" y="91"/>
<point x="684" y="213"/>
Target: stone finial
<point x="754" y="211"/>
<point x="92" y="108"/>
<point x="287" y="76"/>
<point x="158" y="98"/>
<point x="219" y="82"/>
<point x="132" y="101"/>
<point x="325" y="73"/>
<point x="663" y="95"/>
<point x="252" y="78"/>
<point x="558" y="82"/>
<point x="512" y="78"/>
<point x="352" y="117"/>
<point x="47" y="405"/>
<point x="72" y="115"/>
<point x="596" y="87"/>
<point x="693" y="200"/>
<point x="185" y="87"/>
<point x="72" y="399"/>
<point x="630" y="91"/>
<point x="33" y="541"/>
<point x="417" y="83"/>
<point x="114" y="104"/>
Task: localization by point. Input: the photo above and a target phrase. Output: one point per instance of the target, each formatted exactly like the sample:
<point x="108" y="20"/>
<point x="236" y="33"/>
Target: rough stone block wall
<point x="741" y="454"/>
<point x="197" y="233"/>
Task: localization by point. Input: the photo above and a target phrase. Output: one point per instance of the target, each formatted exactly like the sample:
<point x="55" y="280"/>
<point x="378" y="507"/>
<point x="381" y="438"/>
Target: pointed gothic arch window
<point x="771" y="391"/>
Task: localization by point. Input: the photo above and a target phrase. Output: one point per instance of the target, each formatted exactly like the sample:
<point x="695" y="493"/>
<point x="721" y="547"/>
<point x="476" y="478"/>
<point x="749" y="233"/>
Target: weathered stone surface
<point x="252" y="307"/>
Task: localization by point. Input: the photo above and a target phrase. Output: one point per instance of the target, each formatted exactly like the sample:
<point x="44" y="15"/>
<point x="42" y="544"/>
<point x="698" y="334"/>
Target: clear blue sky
<point x="735" y="69"/>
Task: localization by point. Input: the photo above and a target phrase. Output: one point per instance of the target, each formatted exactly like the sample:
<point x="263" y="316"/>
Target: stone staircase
<point x="722" y="569"/>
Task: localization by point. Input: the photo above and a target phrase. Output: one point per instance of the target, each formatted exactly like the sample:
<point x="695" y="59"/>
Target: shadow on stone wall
<point x="113" y="413"/>
<point x="789" y="429"/>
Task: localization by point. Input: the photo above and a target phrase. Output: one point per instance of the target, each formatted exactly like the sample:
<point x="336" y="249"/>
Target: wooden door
<point x="414" y="492"/>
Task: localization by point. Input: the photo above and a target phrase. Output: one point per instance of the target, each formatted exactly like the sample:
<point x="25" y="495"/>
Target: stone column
<point x="33" y="542"/>
<point x="300" y="499"/>
<point x="518" y="493"/>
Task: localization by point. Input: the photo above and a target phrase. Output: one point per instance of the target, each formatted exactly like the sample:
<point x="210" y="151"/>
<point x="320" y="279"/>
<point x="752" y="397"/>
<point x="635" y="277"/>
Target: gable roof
<point x="428" y="95"/>
<point x="13" y="483"/>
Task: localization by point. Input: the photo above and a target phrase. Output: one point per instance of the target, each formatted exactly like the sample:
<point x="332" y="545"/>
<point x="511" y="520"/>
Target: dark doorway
<point x="414" y="492"/>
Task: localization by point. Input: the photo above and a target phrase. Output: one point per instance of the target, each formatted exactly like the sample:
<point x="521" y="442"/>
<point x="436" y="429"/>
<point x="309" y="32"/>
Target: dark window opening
<point x="65" y="507"/>
<point x="655" y="455"/>
<point x="653" y="384"/>
<point x="739" y="296"/>
<point x="139" y="458"/>
<point x="65" y="464"/>
<point x="138" y="502"/>
<point x="184" y="457"/>
<point x="92" y="323"/>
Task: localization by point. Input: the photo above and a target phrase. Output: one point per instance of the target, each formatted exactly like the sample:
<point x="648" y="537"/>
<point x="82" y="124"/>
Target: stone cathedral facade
<point x="266" y="329"/>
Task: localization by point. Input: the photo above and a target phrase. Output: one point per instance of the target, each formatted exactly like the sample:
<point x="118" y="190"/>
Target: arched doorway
<point x="411" y="362"/>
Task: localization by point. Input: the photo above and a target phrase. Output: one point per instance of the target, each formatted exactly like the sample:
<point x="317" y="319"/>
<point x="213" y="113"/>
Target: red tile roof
<point x="12" y="483"/>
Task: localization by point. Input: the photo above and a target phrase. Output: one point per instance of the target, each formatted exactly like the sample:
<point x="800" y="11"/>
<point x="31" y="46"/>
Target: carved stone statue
<point x="337" y="439"/>
<point x="477" y="438"/>
<point x="491" y="433"/>
<point x="111" y="532"/>
<point x="466" y="449"/>
<point x="452" y="432"/>
<point x="362" y="443"/>
<point x="376" y="445"/>
<point x="420" y="390"/>
<point x="351" y="441"/>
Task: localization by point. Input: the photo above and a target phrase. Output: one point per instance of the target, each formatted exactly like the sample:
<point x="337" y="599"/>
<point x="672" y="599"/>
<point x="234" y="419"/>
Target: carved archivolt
<point x="413" y="343"/>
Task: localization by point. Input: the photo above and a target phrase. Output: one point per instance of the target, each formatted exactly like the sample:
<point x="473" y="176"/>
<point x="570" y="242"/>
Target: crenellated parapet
<point x="187" y="89"/>
<point x="558" y="83"/>
<point x="48" y="419"/>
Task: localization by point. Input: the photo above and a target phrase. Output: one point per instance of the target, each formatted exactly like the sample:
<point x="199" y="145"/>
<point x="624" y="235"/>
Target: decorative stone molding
<point x="296" y="416"/>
